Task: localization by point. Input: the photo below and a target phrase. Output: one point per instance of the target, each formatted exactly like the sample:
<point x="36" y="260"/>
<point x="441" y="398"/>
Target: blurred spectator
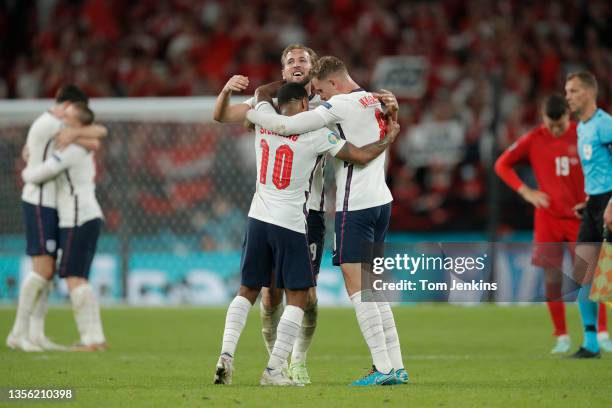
<point x="489" y="65"/>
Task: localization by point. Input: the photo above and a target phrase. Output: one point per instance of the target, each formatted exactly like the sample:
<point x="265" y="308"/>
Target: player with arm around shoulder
<point x="80" y="222"/>
<point x="296" y="62"/>
<point x="363" y="201"/>
<point x="275" y="239"/>
<point x="41" y="220"/>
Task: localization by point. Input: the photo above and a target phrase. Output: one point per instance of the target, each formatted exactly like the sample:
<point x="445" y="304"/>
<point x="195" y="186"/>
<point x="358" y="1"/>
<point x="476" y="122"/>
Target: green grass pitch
<point x="456" y="356"/>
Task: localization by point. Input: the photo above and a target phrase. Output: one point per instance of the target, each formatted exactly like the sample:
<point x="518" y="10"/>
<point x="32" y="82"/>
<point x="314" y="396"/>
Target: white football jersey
<point x="76" y="188"/>
<point x="40" y="146"/>
<point x="285" y="173"/>
<point x="73" y="170"/>
<point x="359" y="119"/>
<point x="317" y="194"/>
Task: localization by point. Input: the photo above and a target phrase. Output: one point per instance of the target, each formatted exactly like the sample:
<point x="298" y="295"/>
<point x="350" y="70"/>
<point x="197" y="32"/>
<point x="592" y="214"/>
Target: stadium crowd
<point x="482" y="90"/>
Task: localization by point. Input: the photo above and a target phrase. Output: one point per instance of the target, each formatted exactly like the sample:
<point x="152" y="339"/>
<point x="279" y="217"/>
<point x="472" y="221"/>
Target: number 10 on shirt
<point x="283" y="161"/>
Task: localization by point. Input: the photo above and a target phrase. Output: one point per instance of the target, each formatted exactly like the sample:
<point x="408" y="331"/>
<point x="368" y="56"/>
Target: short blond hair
<point x="325" y="66"/>
<point x="296" y="46"/>
<point x="586" y="78"/>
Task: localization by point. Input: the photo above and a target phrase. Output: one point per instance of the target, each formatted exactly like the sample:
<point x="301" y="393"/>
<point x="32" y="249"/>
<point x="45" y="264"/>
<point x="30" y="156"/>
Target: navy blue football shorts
<point x="357" y="232"/>
<point x="269" y="249"/>
<point x="316" y="237"/>
<point x="42" y="229"/>
<point x="78" y="247"/>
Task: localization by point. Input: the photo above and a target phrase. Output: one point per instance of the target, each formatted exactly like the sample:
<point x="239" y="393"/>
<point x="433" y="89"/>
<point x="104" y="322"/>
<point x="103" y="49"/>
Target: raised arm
<point x="365" y="154"/>
<point x="266" y="92"/>
<point x="53" y="166"/>
<point x="287" y="125"/>
<point x="226" y="113"/>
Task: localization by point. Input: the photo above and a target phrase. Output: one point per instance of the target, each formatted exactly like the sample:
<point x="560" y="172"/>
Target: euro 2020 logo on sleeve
<point x="332" y="138"/>
<point x="587" y="149"/>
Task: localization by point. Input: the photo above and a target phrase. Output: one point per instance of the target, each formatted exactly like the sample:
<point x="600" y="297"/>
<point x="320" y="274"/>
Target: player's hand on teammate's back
<point x="579" y="210"/>
<point x="393" y="129"/>
<point x="236" y="83"/>
<point x="388" y="99"/>
<point x="538" y="198"/>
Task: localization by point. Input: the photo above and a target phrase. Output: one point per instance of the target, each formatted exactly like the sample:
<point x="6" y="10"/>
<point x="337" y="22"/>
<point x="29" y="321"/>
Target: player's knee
<point x="249" y="293"/>
<point x="311" y="298"/>
<point x="44" y="265"/>
<point x="352" y="277"/>
<point x="74" y="282"/>
<point x="297" y="298"/>
<point x="271" y="298"/>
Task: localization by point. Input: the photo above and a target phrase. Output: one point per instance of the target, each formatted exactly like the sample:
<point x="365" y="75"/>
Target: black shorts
<point x="78" y="247"/>
<point x="357" y="231"/>
<point x="267" y="248"/>
<point x="42" y="229"/>
<point x="316" y="237"/>
<point x="592" y="225"/>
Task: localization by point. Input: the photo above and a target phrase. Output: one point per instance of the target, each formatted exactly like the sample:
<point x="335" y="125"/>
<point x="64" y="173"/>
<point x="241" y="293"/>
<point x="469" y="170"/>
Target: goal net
<point x="175" y="188"/>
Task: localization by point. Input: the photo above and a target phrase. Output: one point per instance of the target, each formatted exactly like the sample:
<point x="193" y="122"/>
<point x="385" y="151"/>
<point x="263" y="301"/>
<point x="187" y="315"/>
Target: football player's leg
<point x="386" y="314"/>
<point x="270" y="310"/>
<point x="307" y="330"/>
<point x="352" y="229"/>
<point x="288" y="328"/>
<point x="294" y="274"/>
<point x="37" y="322"/>
<point x="255" y="266"/>
<point x="584" y="265"/>
<point x="368" y="317"/>
<point x="41" y="237"/>
<point x="235" y="320"/>
<point x="78" y="249"/>
<point x="556" y="308"/>
<point x="29" y="294"/>
<point x="602" y="329"/>
<point x="316" y="241"/>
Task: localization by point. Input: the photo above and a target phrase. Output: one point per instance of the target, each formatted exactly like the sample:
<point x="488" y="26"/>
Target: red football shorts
<point x="550" y="234"/>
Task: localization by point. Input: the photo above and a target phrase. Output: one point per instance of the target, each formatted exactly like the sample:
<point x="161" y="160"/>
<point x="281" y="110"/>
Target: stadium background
<point x="175" y="186"/>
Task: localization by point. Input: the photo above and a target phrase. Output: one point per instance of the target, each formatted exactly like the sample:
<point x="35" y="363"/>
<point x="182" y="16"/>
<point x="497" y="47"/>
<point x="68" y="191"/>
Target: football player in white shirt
<point x="41" y="220"/>
<point x="80" y="221"/>
<point x="363" y="202"/>
<point x="275" y="247"/>
<point x="296" y="61"/>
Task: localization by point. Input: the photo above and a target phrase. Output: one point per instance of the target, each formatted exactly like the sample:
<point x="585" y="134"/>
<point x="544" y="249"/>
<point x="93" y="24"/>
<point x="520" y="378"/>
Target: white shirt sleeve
<point x="326" y="141"/>
<point x="331" y="111"/>
<point x="265" y="107"/>
<point x="250" y="102"/>
<point x="287" y="125"/>
<point x="54" y="165"/>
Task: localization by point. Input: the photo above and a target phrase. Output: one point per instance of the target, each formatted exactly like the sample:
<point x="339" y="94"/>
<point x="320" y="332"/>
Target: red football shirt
<point x="555" y="163"/>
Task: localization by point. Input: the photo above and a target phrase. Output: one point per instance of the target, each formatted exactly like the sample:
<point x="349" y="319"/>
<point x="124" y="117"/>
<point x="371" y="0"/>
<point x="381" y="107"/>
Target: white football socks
<point x="39" y="312"/>
<point x="286" y="333"/>
<point x="32" y="286"/>
<point x="235" y="320"/>
<point x="87" y="314"/>
<point x="269" y="322"/>
<point x="391" y="337"/>
<point x="304" y="339"/>
<point x="371" y="327"/>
